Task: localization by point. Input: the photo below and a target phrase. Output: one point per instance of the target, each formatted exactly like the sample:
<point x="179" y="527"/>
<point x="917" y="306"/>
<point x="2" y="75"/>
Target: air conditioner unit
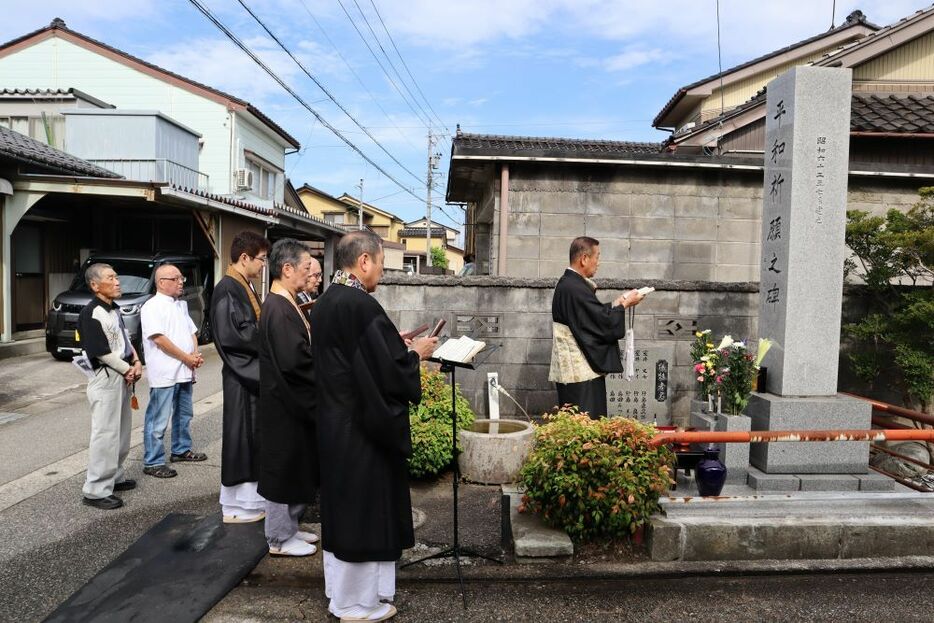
<point x="244" y="179"/>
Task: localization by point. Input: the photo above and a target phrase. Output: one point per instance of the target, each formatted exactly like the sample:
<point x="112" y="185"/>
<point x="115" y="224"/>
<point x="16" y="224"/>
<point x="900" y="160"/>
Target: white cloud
<point x="635" y="57"/>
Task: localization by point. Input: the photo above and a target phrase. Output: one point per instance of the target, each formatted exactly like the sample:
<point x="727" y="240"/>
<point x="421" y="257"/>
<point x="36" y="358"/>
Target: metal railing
<point x="885" y="415"/>
<point x="157" y="170"/>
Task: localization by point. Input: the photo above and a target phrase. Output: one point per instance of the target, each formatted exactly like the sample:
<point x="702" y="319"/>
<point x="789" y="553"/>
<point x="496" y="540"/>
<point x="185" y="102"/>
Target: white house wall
<point x="56" y="63"/>
<point x="255" y="139"/>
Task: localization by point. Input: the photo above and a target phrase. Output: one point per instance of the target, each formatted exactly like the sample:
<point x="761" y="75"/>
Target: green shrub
<point x="430" y="423"/>
<point x="439" y="258"/>
<point x="594" y="478"/>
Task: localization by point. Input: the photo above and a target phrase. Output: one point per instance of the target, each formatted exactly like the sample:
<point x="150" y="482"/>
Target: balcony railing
<point x="157" y="170"/>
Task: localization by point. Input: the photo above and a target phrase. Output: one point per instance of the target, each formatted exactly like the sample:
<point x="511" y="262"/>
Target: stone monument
<point x="801" y="282"/>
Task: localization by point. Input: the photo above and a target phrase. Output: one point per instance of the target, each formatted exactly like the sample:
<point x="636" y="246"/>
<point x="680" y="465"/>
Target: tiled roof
<point x="51" y="94"/>
<point x="856" y="18"/>
<point x="59" y="25"/>
<point x="892" y="113"/>
<point x="26" y="150"/>
<point x="547" y="145"/>
<point x="415" y="232"/>
<point x="869" y="112"/>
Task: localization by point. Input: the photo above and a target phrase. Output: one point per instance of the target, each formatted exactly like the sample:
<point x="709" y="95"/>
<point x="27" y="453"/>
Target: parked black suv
<point x="136" y="271"/>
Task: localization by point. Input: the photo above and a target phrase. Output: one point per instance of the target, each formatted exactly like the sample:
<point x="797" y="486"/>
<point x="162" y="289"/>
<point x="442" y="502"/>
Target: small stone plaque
<point x="647" y="397"/>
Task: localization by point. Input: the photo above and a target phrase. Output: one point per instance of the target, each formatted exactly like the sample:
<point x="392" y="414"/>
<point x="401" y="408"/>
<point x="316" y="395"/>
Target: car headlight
<point x="56" y="306"/>
<point x="129" y="310"/>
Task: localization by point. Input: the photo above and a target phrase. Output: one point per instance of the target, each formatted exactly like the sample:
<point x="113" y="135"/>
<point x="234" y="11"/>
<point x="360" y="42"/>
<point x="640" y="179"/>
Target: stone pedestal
<point x="734" y="455"/>
<point x="769" y="412"/>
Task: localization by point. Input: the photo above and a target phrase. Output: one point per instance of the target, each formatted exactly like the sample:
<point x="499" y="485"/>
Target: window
<point x="264" y="178"/>
<point x="334" y="218"/>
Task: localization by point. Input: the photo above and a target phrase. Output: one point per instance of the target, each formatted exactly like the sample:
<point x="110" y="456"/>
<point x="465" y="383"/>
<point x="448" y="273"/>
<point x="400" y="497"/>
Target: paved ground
<point x="50" y="545"/>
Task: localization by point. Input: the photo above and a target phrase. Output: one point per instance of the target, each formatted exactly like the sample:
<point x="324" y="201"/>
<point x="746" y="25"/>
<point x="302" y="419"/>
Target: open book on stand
<point x="461" y="350"/>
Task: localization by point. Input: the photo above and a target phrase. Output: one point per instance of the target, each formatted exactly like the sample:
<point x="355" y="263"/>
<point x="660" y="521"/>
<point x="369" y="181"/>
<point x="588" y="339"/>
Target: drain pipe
<point x="503" y="218"/>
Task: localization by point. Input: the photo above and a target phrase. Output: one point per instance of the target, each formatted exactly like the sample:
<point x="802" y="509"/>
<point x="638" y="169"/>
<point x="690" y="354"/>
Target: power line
<point x="389" y="60"/>
<point x="357" y="76"/>
<point x="406" y="66"/>
<point x="324" y="89"/>
<point x="380" y="63"/>
<point x="207" y="13"/>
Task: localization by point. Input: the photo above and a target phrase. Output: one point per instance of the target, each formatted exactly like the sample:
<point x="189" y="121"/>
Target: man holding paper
<point x="586" y="332"/>
<point x="366" y="379"/>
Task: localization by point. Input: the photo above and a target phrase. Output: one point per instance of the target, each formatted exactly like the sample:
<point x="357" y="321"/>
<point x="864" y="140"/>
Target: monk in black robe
<point x="585" y="332"/>
<point x="235" y="311"/>
<point x="288" y="477"/>
<point x="366" y="379"/>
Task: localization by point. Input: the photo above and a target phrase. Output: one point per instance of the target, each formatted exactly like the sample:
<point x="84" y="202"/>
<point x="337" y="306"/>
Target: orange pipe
<point x="764" y="436"/>
<point x="911" y="414"/>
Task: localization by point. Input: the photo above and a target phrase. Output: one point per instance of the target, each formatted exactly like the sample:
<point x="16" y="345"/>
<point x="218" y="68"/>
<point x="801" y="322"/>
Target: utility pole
<point x="360" y="207"/>
<point x="433" y="159"/>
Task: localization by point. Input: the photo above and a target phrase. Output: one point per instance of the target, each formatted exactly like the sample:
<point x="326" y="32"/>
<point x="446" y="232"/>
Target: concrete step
<point x="17" y="348"/>
<point x="532" y="539"/>
<point x="794" y="526"/>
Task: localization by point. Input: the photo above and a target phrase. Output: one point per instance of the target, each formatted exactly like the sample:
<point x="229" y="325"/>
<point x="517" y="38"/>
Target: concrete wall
<point x="653" y="223"/>
<point x="515" y="314"/>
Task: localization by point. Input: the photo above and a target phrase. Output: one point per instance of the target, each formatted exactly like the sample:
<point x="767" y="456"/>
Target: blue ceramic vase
<point x="710" y="473"/>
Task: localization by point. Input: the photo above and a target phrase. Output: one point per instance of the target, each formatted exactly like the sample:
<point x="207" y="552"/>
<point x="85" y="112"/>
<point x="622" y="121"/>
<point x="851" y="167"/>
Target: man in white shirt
<point x="171" y="347"/>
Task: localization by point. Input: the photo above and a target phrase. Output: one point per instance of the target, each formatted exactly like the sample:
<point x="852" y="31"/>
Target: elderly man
<point x="366" y="379"/>
<point x="171" y="346"/>
<point x="585" y="332"/>
<point x="116" y="365"/>
<point x="235" y="313"/>
<point x="288" y="476"/>
<point x="307" y="295"/>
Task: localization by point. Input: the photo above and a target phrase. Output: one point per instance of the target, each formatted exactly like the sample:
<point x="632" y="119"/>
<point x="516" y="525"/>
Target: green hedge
<point x="430" y="423"/>
<point x="594" y="478"/>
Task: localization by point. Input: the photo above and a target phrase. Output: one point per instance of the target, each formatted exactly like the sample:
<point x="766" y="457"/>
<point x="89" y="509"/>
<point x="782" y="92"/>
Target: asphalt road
<point x="827" y="597"/>
<point x="50" y="544"/>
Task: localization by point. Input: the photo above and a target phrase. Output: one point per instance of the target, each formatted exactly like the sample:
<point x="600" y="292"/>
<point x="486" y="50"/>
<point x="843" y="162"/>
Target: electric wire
<point x="324" y="89"/>
<point x="381" y="66"/>
<point x="392" y="66"/>
<point x="406" y="66"/>
<point x="360" y="80"/>
<point x="230" y="35"/>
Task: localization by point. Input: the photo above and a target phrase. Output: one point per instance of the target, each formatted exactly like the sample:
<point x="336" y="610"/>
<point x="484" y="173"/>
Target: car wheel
<point x="59" y="356"/>
<point x="204" y="334"/>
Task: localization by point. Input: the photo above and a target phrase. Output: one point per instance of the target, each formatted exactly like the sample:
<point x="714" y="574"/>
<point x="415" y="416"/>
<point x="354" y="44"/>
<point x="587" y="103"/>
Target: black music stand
<point x="456" y="550"/>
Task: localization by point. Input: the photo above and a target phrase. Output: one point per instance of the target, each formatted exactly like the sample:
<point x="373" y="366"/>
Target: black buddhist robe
<point x="366" y="379"/>
<point x="288" y="440"/>
<point x="597" y="328"/>
<point x="236" y="337"/>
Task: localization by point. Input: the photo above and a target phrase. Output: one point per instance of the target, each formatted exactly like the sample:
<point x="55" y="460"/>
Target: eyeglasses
<point x="316" y="275"/>
<point x="261" y="258"/>
<point x="179" y="279"/>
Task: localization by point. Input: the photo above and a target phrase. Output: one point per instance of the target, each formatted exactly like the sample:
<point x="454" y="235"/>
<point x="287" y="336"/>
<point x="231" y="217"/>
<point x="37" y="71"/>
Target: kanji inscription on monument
<point x="803" y="220"/>
<point x="647" y="397"/>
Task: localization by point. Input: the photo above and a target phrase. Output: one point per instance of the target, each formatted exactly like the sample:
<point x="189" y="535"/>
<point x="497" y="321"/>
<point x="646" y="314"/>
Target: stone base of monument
<point x="779" y="483"/>
<point x="734" y="455"/>
<point x="771" y="412"/>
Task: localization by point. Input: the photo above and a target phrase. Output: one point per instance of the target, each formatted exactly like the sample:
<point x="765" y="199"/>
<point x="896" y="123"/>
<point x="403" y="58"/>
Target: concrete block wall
<point x="521" y="309"/>
<point x="669" y="224"/>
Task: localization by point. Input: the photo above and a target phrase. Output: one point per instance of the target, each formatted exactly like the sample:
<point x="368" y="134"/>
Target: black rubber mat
<point x="175" y="572"/>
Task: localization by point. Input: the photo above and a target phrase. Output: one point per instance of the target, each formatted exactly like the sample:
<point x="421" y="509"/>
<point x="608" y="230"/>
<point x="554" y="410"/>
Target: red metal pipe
<point x="911" y="414"/>
<point x="764" y="436"/>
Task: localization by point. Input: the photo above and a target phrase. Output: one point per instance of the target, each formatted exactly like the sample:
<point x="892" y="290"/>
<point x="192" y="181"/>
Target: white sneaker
<point x="308" y="537"/>
<point x="293" y="547"/>
<point x="383" y="612"/>
<point x="245" y="516"/>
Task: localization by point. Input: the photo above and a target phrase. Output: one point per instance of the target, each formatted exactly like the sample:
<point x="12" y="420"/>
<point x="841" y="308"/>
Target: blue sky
<point x="569" y="68"/>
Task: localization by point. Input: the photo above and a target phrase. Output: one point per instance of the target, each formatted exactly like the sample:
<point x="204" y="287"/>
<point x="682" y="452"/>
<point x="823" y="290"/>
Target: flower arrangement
<point x="727" y="370"/>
